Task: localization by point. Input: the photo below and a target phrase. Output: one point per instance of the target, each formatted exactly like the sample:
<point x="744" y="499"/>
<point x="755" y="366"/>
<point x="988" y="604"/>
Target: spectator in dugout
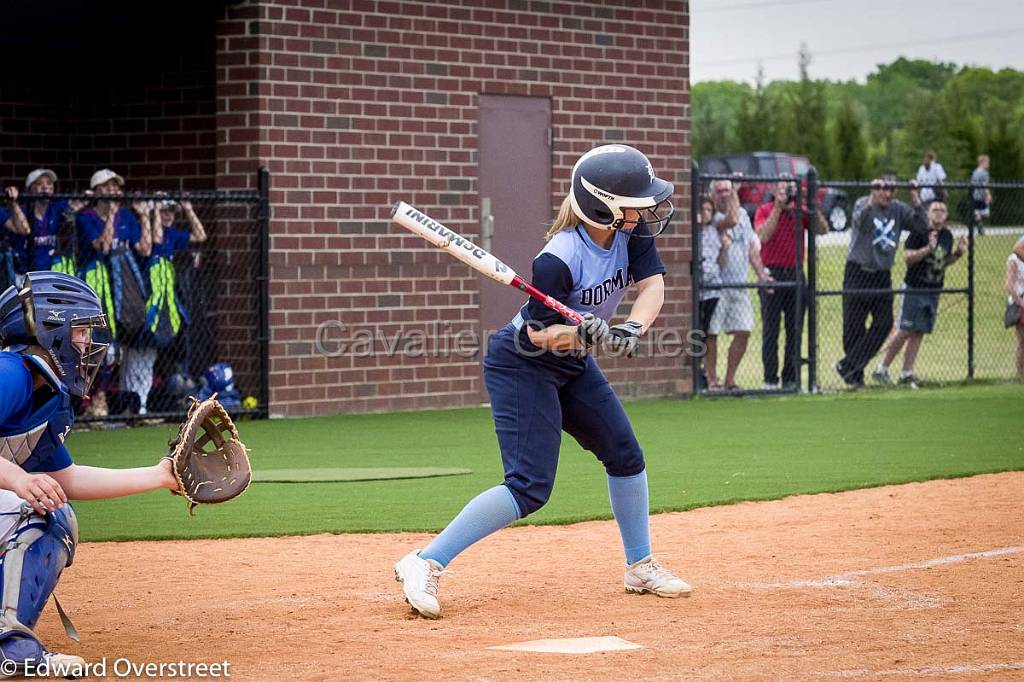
<point x="713" y="256"/>
<point x="13" y="236"/>
<point x="165" y="313"/>
<point x="775" y="222"/>
<point x="734" y="313"/>
<point x="110" y="236"/>
<point x="927" y="254"/>
<point x="878" y="220"/>
<point x="46" y="217"/>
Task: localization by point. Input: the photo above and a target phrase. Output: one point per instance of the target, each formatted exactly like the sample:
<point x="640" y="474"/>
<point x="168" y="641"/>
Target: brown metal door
<point x="515" y="195"/>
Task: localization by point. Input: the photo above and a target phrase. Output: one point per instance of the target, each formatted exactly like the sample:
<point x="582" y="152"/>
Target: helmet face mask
<point x="91" y="353"/>
<point x="614" y="188"/>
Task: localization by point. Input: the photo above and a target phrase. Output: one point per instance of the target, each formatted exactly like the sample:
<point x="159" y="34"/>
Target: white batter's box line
<point x="925" y="671"/>
<point x="849" y="578"/>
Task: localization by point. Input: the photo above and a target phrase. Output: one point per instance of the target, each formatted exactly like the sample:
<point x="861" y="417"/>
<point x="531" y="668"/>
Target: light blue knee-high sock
<point x="489" y="511"/>
<point x="628" y="495"/>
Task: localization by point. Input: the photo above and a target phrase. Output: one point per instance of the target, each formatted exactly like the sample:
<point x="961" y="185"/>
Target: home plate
<point x="572" y="645"/>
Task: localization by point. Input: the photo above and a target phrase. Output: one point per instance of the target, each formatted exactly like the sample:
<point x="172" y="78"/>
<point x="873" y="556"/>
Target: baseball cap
<point x="38" y="173"/>
<point x="104" y="175"/>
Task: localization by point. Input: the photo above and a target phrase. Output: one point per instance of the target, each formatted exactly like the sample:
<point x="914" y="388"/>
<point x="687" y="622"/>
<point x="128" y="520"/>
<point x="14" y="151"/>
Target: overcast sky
<point x="848" y="38"/>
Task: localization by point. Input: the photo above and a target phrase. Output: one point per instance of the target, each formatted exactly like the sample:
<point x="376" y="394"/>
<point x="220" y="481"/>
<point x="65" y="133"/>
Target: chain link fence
<point x="182" y="277"/>
<point x="877" y="302"/>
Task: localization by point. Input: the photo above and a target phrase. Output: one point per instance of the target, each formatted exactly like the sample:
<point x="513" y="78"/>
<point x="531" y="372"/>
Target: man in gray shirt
<point x="877" y="222"/>
<point x="981" y="196"/>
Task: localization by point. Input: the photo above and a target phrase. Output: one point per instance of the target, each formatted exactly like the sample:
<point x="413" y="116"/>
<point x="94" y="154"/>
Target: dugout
<point x="473" y="112"/>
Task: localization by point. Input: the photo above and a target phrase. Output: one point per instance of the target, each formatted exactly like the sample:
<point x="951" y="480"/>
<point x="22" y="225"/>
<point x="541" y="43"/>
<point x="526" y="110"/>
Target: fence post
<point x="812" y="281"/>
<point x="263" y="215"/>
<point x="695" y="271"/>
<point x="970" y="295"/>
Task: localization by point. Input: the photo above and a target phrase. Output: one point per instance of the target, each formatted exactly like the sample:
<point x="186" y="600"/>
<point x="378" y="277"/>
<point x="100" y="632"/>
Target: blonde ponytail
<point x="565" y="220"/>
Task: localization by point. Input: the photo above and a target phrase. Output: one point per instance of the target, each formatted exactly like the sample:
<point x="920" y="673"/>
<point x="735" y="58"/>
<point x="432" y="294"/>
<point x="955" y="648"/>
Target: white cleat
<point x="419" y="583"/>
<point x="647" y="575"/>
<point x="63" y="665"/>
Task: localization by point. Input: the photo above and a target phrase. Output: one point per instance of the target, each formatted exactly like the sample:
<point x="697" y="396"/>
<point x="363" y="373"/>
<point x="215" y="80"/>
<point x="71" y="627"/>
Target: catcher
<point x="48" y="354"/>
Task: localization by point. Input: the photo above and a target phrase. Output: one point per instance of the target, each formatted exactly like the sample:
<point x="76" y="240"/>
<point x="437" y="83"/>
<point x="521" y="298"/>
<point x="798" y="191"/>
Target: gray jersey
<point x="711" y="273"/>
<point x="979" y="178"/>
<point x="736" y="265"/>
<point x="876" y="232"/>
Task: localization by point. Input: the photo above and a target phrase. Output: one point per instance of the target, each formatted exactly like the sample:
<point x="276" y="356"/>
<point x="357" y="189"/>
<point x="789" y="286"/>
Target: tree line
<point x="852" y="130"/>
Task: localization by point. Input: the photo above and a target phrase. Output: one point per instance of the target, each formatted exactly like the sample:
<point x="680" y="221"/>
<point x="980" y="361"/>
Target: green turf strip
<point x="352" y="474"/>
<point x="699" y="453"/>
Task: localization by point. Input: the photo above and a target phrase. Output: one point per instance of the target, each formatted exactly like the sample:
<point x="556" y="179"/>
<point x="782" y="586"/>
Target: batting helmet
<point x="613" y="177"/>
<point x="59" y="313"/>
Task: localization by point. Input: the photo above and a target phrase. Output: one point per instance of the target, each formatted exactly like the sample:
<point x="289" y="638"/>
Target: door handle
<point x="486" y="224"/>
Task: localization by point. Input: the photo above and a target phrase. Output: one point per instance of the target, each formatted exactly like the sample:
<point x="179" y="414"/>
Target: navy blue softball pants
<point x="533" y="399"/>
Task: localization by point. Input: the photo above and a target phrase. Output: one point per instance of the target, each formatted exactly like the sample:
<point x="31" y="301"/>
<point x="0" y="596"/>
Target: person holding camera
<point x="775" y="222"/>
<point x="928" y="254"/>
<point x="878" y="220"/>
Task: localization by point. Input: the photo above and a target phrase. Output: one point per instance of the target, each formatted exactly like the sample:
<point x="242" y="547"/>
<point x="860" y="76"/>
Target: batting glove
<point x="592" y="330"/>
<point x="624" y="339"/>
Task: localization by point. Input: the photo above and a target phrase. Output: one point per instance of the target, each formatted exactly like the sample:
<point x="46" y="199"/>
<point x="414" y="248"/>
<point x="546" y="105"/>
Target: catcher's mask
<point x="60" y="313"/>
<point x="611" y="178"/>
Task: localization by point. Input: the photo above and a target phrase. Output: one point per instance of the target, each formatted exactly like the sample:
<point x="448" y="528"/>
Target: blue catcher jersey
<point x="586" y="277"/>
<point x="33" y="424"/>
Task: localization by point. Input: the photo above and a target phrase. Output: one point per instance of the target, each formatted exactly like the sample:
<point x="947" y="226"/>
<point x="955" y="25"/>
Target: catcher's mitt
<point x="209" y="461"/>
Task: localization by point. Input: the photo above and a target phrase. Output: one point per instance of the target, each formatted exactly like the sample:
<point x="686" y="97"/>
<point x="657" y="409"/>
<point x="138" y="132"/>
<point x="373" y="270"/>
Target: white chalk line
<point x="956" y="669"/>
<point x="848" y="578"/>
<point x="900" y="598"/>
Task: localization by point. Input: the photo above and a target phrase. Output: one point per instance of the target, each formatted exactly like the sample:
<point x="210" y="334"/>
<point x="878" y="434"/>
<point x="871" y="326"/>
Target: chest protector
<point x="33" y="446"/>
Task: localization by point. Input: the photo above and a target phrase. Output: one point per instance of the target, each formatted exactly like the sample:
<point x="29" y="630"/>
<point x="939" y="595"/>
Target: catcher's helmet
<point x="50" y="310"/>
<point x="613" y="177"/>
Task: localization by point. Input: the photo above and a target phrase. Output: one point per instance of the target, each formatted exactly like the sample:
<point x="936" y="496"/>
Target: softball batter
<point x="541" y="379"/>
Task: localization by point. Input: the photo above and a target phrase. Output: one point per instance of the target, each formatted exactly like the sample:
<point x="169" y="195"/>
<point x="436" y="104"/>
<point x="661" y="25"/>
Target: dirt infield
<point x="921" y="580"/>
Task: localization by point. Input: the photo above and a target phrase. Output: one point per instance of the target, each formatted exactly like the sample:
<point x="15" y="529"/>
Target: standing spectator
<point x="734" y="313"/>
<point x="877" y="222"/>
<point x="45" y="219"/>
<point x="930" y="176"/>
<point x="165" y="312"/>
<point x="108" y="234"/>
<point x="714" y="252"/>
<point x="775" y="222"/>
<point x="13" y="240"/>
<point x="928" y="254"/>
<point x="1015" y="289"/>
<point x="981" y="195"/>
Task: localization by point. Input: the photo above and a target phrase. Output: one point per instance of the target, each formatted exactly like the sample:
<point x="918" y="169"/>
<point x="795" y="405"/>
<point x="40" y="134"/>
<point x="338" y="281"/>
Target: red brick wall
<point x="151" y="120"/>
<point x="355" y="108"/>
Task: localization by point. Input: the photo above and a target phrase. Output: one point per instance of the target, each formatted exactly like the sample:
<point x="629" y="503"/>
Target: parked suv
<point x="833" y="203"/>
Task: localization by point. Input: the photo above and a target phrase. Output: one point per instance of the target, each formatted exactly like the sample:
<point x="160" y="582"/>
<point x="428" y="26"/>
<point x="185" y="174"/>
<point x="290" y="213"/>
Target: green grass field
<point x="699" y="453"/>
<point x="943" y="356"/>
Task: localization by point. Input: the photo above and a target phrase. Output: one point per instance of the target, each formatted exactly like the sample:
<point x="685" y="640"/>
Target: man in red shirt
<point x="775" y="223"/>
